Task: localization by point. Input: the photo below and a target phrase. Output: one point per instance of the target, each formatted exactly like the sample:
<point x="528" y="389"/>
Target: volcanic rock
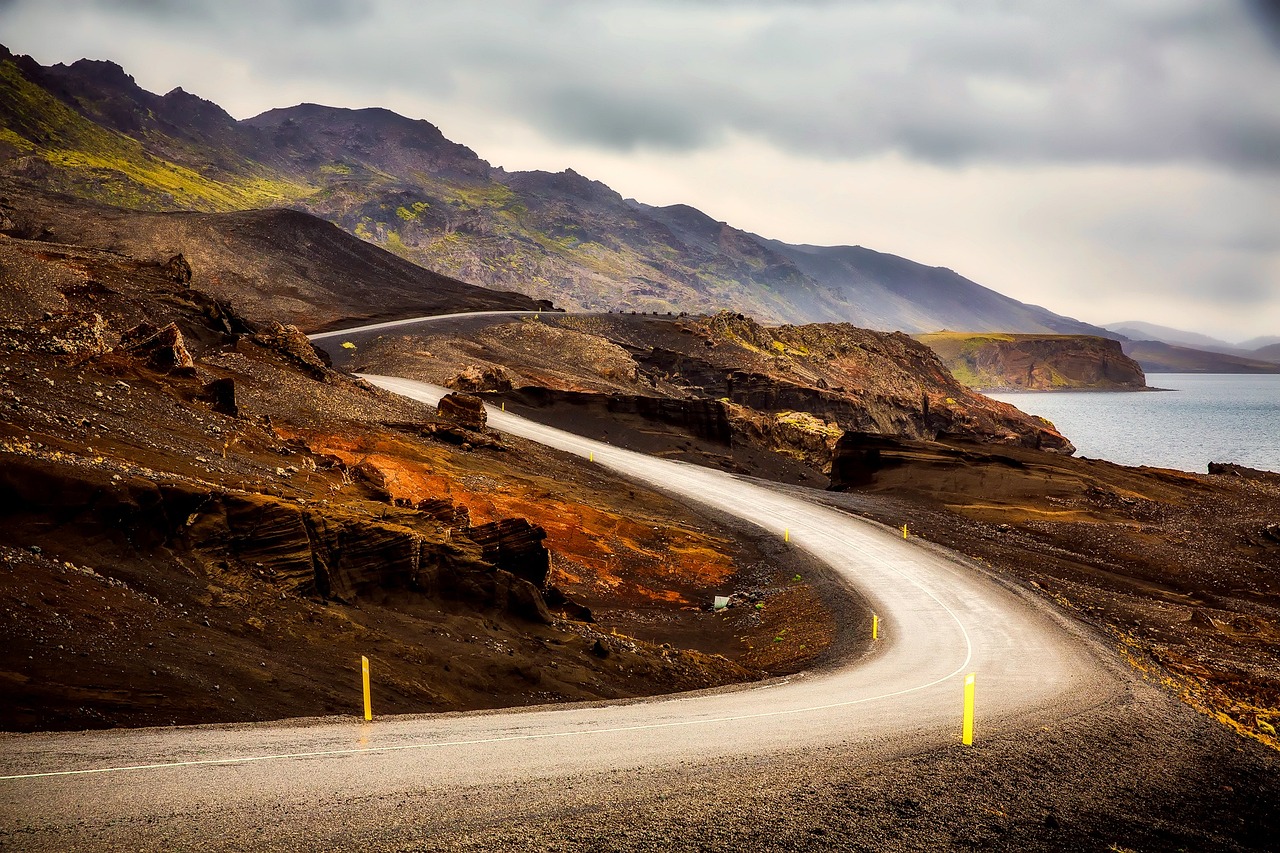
<point x="290" y="341"/>
<point x="515" y="545"/>
<point x="465" y="410"/>
<point x="66" y="333"/>
<point x="178" y="270"/>
<point x="474" y="378"/>
<point x="222" y="394"/>
<point x="162" y="349"/>
<point x="1229" y="469"/>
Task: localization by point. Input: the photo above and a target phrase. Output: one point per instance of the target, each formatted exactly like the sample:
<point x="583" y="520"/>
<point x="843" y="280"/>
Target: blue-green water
<point x="1203" y="418"/>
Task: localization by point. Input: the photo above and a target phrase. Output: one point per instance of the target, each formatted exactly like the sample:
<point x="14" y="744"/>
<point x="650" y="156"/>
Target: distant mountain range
<point x="1161" y="349"/>
<point x="89" y="131"/>
<point x="1140" y="331"/>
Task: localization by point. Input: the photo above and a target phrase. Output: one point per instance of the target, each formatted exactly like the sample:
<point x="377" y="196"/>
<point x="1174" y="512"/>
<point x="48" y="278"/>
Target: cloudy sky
<point x="1109" y="160"/>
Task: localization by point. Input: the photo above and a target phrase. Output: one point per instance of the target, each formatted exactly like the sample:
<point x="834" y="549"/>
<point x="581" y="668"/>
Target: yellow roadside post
<point x="966" y="733"/>
<point x="875" y="627"/>
<point x="904" y="531"/>
<point x="591" y="457"/>
<point x="786" y="534"/>
<point x="368" y="707"/>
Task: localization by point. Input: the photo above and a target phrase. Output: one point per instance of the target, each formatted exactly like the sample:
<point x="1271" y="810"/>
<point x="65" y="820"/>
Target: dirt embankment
<point x="1009" y="362"/>
<point x="203" y="522"/>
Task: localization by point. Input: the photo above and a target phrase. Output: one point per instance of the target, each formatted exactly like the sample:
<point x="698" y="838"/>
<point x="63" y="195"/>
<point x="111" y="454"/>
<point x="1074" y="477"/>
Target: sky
<point x="1108" y="160"/>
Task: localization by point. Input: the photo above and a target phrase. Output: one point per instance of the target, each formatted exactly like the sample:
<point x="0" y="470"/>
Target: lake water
<point x="1203" y="418"/>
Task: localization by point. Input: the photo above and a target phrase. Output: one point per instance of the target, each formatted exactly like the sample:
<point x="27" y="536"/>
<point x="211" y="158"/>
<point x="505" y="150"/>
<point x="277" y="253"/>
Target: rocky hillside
<point x="88" y="130"/>
<point x="201" y="521"/>
<point x="735" y="391"/>
<point x="275" y="265"/>
<point x="1001" y="362"/>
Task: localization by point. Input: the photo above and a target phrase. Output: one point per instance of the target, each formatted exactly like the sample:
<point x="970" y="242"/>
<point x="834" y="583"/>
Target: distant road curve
<point x="207" y="786"/>
<point x="392" y="324"/>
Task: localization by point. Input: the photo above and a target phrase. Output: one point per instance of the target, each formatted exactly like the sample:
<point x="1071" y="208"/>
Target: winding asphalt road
<point x="318" y="783"/>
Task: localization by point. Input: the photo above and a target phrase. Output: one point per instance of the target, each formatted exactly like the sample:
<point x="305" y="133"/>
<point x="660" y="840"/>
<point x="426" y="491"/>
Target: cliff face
<point x="1006" y="362"/>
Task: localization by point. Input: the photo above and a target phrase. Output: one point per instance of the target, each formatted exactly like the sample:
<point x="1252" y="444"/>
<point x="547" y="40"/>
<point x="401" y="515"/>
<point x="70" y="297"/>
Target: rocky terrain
<point x="1006" y="362"/>
<point x="723" y="390"/>
<point x="1178" y="568"/>
<point x="275" y="265"/>
<point x="88" y="130"/>
<point x="202" y="521"/>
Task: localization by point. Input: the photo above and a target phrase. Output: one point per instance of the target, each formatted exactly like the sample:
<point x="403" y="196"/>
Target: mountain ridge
<point x="399" y="183"/>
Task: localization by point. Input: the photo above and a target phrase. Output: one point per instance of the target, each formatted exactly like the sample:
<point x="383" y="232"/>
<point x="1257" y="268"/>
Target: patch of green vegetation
<point x="392" y="243"/>
<point x="491" y="196"/>
<point x="964" y="373"/>
<point x="411" y="213"/>
<point x="335" y="169"/>
<point x="809" y="424"/>
<point x="8" y="137"/>
<point x="100" y="163"/>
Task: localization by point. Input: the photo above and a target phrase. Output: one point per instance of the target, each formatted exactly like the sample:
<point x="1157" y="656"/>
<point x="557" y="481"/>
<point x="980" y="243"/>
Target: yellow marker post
<point x="966" y="732"/>
<point x="504" y="405"/>
<point x="591" y="457"/>
<point x="368" y="707"/>
<point x="904" y="531"/>
<point x="786" y="534"/>
<point x="875" y="627"/>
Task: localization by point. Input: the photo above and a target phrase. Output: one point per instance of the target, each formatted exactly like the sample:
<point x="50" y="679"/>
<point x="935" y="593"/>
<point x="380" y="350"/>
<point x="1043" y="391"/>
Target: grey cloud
<point x="946" y="82"/>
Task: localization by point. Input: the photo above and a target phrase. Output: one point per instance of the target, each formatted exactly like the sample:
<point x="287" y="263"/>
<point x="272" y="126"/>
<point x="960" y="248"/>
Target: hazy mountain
<point x="1264" y="342"/>
<point x="1159" y="357"/>
<point x="1137" y="330"/>
<point x="1270" y="352"/>
<point x="87" y="129"/>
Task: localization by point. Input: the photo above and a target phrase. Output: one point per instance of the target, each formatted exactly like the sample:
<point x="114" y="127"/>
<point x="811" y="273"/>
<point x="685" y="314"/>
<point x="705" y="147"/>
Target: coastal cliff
<point x="1008" y="362"/>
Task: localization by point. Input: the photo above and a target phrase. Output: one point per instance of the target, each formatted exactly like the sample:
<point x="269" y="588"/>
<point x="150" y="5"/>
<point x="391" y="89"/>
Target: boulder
<point x="465" y="410"/>
<point x="177" y="270"/>
<point x="221" y="393"/>
<point x="473" y="378"/>
<point x="293" y="344"/>
<point x="162" y="349"/>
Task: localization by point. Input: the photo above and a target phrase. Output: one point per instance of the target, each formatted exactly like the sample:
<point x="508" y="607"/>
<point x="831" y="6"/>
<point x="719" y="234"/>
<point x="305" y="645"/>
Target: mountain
<point x="275" y="264"/>
<point x="1266" y="348"/>
<point x="1159" y="357"/>
<point x="88" y="130"/>
<point x="1139" y="331"/>
<point x="1270" y="352"/>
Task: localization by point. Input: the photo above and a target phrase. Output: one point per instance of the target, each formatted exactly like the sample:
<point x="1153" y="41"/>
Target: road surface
<point x="325" y="783"/>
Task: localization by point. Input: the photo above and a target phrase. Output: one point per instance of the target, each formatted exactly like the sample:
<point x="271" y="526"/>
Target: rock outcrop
<point x="465" y="410"/>
<point x="474" y="378"/>
<point x="162" y="349"/>
<point x="1001" y="362"/>
<point x="301" y="550"/>
<point x="64" y="333"/>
